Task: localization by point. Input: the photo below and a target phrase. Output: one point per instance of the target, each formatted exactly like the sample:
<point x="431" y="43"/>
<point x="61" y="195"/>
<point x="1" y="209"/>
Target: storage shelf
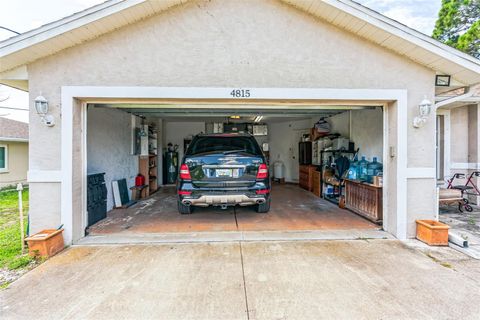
<point x="148" y="160"/>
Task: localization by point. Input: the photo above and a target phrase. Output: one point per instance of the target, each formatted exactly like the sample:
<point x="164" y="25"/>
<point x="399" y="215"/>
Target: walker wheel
<point x="468" y="208"/>
<point x="465" y="201"/>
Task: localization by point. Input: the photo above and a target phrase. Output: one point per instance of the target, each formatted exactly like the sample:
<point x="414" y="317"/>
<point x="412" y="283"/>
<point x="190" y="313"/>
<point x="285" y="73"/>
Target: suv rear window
<point x="222" y="144"/>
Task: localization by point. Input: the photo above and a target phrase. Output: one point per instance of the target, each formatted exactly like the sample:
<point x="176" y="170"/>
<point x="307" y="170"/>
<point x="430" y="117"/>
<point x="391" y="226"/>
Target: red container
<point x="139" y="180"/>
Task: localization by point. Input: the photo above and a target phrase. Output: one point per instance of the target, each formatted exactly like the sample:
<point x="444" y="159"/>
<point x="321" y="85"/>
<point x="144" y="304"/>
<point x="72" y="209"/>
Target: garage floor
<point x="292" y="209"/>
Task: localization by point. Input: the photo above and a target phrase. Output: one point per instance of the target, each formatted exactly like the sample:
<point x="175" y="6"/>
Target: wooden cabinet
<point x="147" y="167"/>
<point x="147" y="161"/>
<point x="316" y="184"/>
<point x="305" y="180"/>
<point x="365" y="199"/>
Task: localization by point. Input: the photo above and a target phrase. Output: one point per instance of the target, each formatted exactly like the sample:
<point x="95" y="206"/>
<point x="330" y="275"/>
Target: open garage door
<point x="324" y="161"/>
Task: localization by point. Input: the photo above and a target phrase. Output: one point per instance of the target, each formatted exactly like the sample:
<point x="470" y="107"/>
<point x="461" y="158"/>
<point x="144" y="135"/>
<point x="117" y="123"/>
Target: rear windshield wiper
<point x="235" y="151"/>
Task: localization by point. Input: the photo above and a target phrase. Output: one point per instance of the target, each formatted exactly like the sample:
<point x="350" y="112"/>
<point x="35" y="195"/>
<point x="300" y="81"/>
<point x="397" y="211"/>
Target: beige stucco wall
<point x="465" y="143"/>
<point x="17" y="163"/>
<point x="230" y="44"/>
<point x="459" y="134"/>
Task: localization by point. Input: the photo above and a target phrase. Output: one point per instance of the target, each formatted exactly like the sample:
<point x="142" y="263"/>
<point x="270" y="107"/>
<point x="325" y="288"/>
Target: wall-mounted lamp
<point x="41" y="105"/>
<point x="424" y="109"/>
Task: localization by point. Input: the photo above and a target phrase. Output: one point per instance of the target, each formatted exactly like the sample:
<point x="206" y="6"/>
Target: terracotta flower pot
<point x="432" y="232"/>
<point x="45" y="243"/>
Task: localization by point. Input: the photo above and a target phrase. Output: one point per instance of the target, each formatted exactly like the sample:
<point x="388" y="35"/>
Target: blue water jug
<point x="374" y="168"/>
<point x="362" y="169"/>
<point x="353" y="169"/>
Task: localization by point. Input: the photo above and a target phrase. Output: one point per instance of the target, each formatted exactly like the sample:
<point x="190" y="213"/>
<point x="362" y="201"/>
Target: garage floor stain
<point x="292" y="208"/>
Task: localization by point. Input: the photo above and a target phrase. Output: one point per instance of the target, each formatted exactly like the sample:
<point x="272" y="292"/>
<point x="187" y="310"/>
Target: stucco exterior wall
<point x="17" y="155"/>
<point x="230" y="44"/>
<point x="459" y="135"/>
<point x="465" y="143"/>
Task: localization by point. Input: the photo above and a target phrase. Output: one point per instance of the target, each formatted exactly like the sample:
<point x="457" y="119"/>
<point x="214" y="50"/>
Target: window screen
<point x="3" y="160"/>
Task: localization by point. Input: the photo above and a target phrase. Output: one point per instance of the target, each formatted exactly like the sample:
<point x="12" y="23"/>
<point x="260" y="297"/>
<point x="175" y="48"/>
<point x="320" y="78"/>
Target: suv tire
<point x="183" y="209"/>
<point x="263" y="207"/>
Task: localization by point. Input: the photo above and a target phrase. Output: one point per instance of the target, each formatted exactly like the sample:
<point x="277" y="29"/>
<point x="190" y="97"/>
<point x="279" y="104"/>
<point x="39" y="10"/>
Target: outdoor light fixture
<point x="41" y="105"/>
<point x="424" y="109"/>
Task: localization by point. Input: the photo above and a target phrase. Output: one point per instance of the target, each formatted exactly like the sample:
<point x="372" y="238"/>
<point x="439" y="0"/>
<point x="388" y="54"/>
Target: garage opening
<point x="325" y="162"/>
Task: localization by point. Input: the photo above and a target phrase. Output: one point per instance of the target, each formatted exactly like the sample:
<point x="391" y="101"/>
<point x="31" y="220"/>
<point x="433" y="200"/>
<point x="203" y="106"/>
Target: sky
<point x="24" y="15"/>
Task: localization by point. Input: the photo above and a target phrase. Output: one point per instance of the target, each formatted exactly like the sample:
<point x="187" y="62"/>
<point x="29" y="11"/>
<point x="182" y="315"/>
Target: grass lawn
<point x="10" y="243"/>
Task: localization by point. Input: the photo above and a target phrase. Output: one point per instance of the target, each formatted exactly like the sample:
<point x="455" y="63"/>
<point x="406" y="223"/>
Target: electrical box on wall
<point x="215" y="127"/>
<point x="260" y="130"/>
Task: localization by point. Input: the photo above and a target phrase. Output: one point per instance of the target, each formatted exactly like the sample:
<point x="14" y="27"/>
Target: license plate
<point x="227" y="173"/>
<point x="221" y="173"/>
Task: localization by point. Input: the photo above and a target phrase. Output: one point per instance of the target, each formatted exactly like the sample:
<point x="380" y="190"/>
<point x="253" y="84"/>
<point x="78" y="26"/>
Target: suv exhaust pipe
<point x="260" y="201"/>
<point x="187" y="203"/>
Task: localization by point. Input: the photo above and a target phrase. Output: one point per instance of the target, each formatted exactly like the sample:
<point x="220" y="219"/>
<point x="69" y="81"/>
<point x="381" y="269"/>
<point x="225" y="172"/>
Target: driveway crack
<point x="244" y="283"/>
<point x="235" y="215"/>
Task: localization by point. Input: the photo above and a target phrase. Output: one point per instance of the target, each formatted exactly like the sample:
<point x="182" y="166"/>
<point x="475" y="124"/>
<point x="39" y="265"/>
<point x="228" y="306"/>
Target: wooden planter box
<point x="432" y="232"/>
<point x="45" y="243"/>
<point x="364" y="199"/>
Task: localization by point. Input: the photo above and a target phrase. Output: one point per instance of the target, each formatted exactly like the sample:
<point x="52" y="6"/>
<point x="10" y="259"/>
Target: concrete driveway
<point x="379" y="279"/>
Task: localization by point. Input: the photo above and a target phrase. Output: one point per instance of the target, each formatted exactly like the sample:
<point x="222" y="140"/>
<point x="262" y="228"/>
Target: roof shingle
<point x="12" y="129"/>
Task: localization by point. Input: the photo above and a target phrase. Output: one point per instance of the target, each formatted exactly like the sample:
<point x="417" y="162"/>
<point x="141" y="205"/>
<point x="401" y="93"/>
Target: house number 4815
<point x="240" y="93"/>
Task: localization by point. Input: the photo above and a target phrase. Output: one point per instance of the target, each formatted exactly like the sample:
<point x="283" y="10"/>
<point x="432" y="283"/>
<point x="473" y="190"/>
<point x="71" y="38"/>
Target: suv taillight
<point x="262" y="171"/>
<point x="185" y="172"/>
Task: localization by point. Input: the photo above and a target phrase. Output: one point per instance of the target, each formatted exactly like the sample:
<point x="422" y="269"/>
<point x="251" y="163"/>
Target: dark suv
<point x="223" y="170"/>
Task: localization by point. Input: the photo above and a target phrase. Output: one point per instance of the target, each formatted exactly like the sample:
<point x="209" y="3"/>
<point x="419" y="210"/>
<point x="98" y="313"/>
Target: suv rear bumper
<point x="224" y="200"/>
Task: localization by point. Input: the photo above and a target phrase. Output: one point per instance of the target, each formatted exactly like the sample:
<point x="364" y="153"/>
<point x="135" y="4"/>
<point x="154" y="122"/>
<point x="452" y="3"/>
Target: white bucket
<point x="278" y="170"/>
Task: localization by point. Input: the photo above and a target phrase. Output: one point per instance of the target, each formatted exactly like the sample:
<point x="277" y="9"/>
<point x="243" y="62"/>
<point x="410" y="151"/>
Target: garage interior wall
<point x="283" y="144"/>
<point x="364" y="127"/>
<point x="109" y="147"/>
<point x="107" y="126"/>
<point x="176" y="132"/>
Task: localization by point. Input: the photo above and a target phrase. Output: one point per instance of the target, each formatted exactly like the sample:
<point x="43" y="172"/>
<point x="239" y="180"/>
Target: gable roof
<point x="11" y="130"/>
<point x="27" y="47"/>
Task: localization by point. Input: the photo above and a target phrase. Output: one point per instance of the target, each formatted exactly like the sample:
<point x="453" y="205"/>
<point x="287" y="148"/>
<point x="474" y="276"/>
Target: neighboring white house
<point x="275" y="58"/>
<point x="13" y="152"/>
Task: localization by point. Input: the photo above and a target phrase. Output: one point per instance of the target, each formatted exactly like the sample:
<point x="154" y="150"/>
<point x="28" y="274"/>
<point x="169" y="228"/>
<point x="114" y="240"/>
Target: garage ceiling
<point x="247" y="112"/>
